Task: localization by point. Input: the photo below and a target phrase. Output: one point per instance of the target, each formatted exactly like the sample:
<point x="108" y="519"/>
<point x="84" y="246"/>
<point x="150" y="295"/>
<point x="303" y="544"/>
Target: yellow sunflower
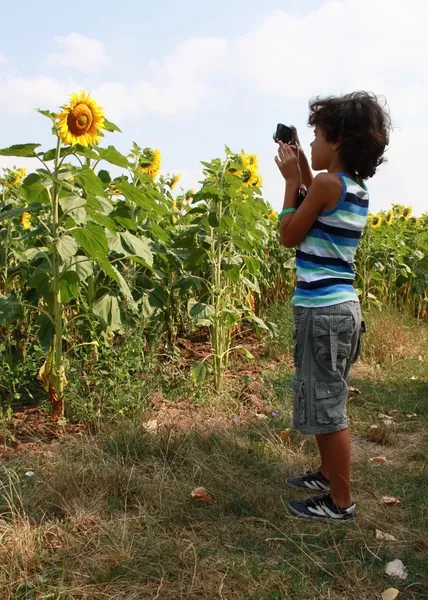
<point x="15" y="177"/>
<point x="250" y="176"/>
<point x="189" y="196"/>
<point x="80" y="121"/>
<point x="174" y="180"/>
<point x="376" y="221"/>
<point x="273" y="215"/>
<point x="150" y="162"/>
<point x="388" y="217"/>
<point x="250" y="160"/>
<point x="407" y="212"/>
<point x="26" y="220"/>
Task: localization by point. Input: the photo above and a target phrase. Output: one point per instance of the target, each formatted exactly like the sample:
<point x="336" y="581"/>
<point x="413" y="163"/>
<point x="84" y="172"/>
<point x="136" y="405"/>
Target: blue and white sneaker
<point x="322" y="508"/>
<point x="313" y="482"/>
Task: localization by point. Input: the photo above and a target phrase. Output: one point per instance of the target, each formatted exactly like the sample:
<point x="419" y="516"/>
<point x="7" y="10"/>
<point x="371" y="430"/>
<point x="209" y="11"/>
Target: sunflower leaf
<point x="111" y="127"/>
<point x="14" y="212"/>
<point x="47" y="113"/>
<point x="21" y="150"/>
<point x="113" y="156"/>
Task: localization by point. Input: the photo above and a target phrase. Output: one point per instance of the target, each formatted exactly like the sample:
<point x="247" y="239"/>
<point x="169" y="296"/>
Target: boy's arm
<point x="305" y="168"/>
<point x="323" y="194"/>
<point x="307" y="176"/>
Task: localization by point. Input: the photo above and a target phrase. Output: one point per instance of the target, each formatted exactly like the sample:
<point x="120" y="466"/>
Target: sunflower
<point x="273" y="215"/>
<point x="15" y="177"/>
<point x="189" y="196"/>
<point x="376" y="221"/>
<point x="174" y="180"/>
<point x="250" y="160"/>
<point x="388" y="217"/>
<point x="259" y="181"/>
<point x="26" y="220"/>
<point x="150" y="162"/>
<point x="250" y="176"/>
<point x="80" y="121"/>
<point x="407" y="212"/>
<point x="413" y="221"/>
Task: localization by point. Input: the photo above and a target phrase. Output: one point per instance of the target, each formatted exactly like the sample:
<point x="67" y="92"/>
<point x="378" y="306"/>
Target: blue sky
<point x="189" y="77"/>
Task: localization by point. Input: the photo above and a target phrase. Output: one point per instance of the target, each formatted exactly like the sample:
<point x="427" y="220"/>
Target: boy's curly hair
<point x="359" y="123"/>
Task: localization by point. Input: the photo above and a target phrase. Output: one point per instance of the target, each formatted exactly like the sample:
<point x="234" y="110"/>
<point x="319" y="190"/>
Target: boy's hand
<point x="288" y="163"/>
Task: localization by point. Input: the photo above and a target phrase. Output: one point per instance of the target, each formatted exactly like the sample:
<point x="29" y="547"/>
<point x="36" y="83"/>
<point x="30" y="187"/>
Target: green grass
<point x="111" y="516"/>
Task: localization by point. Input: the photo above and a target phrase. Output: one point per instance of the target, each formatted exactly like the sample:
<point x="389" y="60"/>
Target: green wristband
<point x="286" y="211"/>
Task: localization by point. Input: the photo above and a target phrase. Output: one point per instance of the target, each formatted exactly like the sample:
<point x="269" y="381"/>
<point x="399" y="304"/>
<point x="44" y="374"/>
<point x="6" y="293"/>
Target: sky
<point x="190" y="77"/>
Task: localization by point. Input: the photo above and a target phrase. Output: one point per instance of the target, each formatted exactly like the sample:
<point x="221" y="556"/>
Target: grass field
<point x="108" y="514"/>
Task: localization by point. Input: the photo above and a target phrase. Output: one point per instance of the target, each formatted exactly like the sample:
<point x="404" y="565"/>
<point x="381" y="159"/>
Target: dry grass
<point x="111" y="516"/>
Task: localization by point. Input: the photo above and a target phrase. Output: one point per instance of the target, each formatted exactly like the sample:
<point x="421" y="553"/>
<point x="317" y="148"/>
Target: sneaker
<point x="322" y="508"/>
<point x="314" y="482"/>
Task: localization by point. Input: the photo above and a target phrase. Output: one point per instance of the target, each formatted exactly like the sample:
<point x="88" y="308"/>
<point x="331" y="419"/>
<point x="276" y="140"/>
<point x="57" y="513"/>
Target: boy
<point x="351" y="134"/>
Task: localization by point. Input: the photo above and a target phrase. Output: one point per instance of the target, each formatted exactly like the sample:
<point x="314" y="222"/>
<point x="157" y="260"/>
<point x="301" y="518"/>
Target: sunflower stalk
<point x="56" y="379"/>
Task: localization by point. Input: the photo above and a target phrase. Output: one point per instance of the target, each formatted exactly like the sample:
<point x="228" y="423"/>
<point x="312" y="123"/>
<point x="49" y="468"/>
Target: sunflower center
<point x="79" y="120"/>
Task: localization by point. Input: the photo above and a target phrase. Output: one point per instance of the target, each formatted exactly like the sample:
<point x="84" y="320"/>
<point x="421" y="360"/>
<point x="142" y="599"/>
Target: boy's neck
<point x="337" y="166"/>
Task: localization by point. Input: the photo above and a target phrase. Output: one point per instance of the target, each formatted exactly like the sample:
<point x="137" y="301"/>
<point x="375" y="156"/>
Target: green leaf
<point x="47" y="113"/>
<point x="21" y="150"/>
<point x="111" y="127"/>
<point x="67" y="247"/>
<point x="244" y="352"/>
<point x="81" y="265"/>
<point x="122" y="215"/>
<point x="253" y="265"/>
<point x="51" y="154"/>
<point x="200" y="312"/>
<point x="40" y="281"/>
<point x="141" y="247"/>
<point x="114" y="243"/>
<point x="104" y="176"/>
<point x="14" y="212"/>
<point x="137" y="195"/>
<point x="158" y="297"/>
<point x="93" y="241"/>
<point x="113" y="156"/>
<point x="108" y="309"/>
<point x="30" y="179"/>
<point x="185" y="284"/>
<point x="199" y="372"/>
<point x="36" y="192"/>
<point x="213" y="220"/>
<point x="74" y="207"/>
<point x="69" y="285"/>
<point x="232" y="272"/>
<point x="10" y="309"/>
<point x="90" y="182"/>
<point x="46" y="331"/>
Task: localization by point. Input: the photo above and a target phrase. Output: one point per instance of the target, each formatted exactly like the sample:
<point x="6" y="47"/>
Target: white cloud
<point x="179" y="83"/>
<point x="20" y="95"/>
<point x="371" y="44"/>
<point x="80" y="53"/>
<point x="344" y="46"/>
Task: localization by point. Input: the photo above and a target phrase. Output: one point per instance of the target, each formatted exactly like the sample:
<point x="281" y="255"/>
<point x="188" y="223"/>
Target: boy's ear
<point x="336" y="146"/>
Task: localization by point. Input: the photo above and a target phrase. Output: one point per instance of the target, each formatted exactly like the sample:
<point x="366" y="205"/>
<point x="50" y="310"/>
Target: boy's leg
<point x="335" y="450"/>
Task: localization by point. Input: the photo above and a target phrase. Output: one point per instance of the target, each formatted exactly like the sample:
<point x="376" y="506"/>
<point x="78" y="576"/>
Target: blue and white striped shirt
<point x="325" y="258"/>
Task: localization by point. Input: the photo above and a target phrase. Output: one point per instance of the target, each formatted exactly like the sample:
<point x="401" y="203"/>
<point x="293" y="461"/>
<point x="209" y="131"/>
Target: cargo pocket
<point x="359" y="342"/>
<point x="330" y="402"/>
<point x="299" y="403"/>
<point x="333" y="336"/>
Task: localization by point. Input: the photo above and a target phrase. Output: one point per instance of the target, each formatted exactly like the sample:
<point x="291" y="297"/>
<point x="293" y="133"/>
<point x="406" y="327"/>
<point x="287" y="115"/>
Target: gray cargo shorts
<point x="327" y="342"/>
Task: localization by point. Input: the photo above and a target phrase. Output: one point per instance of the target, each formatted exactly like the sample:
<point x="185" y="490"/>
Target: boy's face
<point x="322" y="151"/>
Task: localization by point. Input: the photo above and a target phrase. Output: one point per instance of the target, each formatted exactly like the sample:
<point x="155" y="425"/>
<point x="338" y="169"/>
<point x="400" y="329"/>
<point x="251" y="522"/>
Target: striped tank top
<point x="325" y="258"/>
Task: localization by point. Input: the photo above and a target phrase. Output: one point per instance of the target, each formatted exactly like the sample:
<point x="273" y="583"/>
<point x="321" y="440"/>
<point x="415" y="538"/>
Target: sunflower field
<point x="85" y="257"/>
